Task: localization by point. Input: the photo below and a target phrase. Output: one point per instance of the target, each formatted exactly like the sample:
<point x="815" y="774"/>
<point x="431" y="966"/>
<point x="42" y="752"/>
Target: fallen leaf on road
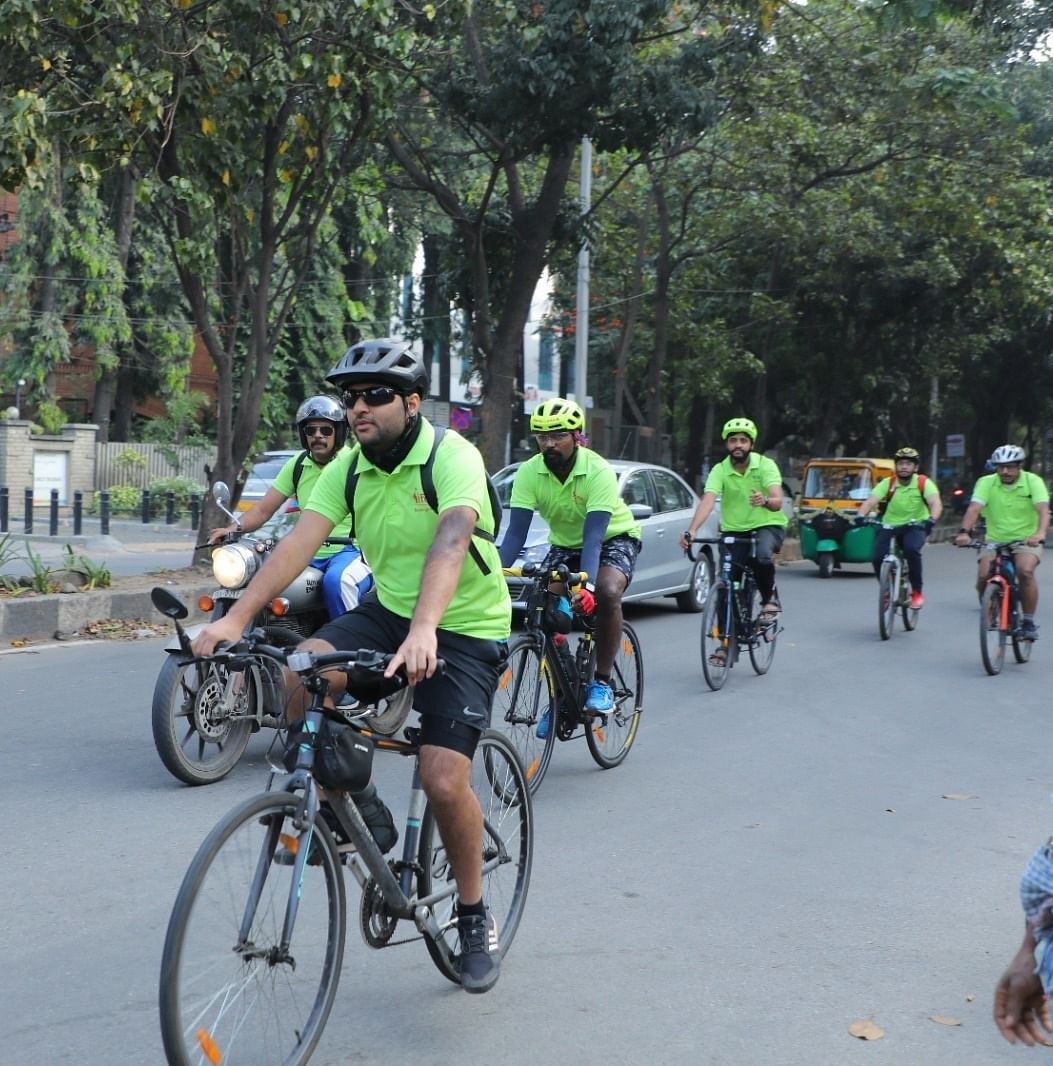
<point x="865" y="1029"/>
<point x="969" y="998"/>
<point x="958" y="796"/>
<point x="942" y="1019"/>
<point x="890" y="810"/>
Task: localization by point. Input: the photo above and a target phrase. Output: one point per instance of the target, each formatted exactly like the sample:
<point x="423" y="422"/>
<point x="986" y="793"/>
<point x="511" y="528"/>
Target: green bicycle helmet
<point x="908" y="453"/>
<point x="551" y="416"/>
<point x="740" y="425"/>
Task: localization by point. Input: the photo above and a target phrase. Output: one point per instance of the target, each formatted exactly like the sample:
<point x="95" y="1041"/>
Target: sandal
<point x="719" y="657"/>
<point x="769" y="613"/>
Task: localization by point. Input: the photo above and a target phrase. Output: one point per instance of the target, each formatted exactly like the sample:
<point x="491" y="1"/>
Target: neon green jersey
<point x="1009" y="510"/>
<point x="737" y="514"/>
<point x="395" y="527"/>
<point x="310" y="472"/>
<point x="590" y="486"/>
<point x="907" y="504"/>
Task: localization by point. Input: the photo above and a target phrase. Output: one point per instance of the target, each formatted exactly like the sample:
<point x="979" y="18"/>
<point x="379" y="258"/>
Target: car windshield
<point x="267" y="469"/>
<point x="848" y="482"/>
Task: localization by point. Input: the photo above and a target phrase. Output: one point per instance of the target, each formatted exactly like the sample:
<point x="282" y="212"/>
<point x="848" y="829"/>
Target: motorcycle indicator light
<point x="205" y="603"/>
<point x="233" y="565"/>
<point x="280" y="607"/>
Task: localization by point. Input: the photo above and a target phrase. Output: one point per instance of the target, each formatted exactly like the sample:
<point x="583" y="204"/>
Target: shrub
<point x="181" y="486"/>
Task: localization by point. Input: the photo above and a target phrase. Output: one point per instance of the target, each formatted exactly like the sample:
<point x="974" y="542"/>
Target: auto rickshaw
<point x="831" y="492"/>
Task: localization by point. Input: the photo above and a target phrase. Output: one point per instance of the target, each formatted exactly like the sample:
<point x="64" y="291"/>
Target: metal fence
<point x="138" y="465"/>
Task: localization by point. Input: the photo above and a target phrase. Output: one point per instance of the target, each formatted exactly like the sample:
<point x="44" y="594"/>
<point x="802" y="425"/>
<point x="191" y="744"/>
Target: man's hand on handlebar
<point x="685" y="539"/>
<point x="583" y="601"/>
<point x="222" y="631"/>
<point x="419" y="652"/>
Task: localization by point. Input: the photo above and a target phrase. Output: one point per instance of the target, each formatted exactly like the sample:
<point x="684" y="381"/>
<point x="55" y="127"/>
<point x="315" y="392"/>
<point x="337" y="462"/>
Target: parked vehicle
<point x="663" y="503"/>
<point x="831" y="493"/>
<point x="204" y="713"/>
<point x="265" y="468"/>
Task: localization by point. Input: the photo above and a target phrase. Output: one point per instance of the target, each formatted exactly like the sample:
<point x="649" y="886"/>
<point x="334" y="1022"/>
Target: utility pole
<point x="581" y="326"/>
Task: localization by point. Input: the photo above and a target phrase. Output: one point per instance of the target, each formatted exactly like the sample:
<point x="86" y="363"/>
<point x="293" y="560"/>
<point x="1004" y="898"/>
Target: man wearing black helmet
<point x="432" y="602"/>
<point x="322" y="429"/>
<point x="904" y="501"/>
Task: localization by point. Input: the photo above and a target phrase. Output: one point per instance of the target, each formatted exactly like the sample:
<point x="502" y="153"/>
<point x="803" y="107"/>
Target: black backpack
<point x="297" y="470"/>
<point x="427" y="484"/>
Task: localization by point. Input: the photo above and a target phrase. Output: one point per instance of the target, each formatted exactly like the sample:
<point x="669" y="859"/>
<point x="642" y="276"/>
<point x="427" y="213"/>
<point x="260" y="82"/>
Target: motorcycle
<point x="204" y="714"/>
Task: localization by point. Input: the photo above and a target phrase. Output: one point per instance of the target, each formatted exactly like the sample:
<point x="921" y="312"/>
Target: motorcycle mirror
<point x="167" y="604"/>
<point x="221" y="494"/>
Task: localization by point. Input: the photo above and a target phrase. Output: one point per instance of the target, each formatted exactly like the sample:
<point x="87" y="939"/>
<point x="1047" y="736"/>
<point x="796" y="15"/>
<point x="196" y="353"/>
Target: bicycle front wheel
<point x="762" y="635"/>
<point x="992" y="635"/>
<point x="610" y="736"/>
<point x="501" y="788"/>
<point x="888" y="589"/>
<point x="718" y="637"/>
<point x="525" y="706"/>
<point x="231" y="990"/>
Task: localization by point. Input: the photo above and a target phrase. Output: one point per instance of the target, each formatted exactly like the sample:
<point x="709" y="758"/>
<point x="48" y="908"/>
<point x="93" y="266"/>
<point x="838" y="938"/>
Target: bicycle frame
<point x="735" y="618"/>
<point x="367" y="860"/>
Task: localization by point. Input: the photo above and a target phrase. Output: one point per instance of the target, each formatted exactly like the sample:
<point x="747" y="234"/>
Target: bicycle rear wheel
<point x="762" y="635"/>
<point x="611" y="736"/>
<point x="992" y="635"/>
<point x="1021" y="648"/>
<point x="230" y="991"/>
<point x="526" y="693"/>
<point x="718" y="639"/>
<point x="501" y="787"/>
<point x="888" y="589"/>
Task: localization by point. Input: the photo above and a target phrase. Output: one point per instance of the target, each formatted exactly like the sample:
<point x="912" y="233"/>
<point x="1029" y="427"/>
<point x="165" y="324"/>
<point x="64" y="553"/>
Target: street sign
<point x="955" y="445"/>
<point x="460" y="418"/>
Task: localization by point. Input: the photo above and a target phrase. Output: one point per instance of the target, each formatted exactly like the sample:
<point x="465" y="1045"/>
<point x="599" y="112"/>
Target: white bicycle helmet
<point x="1007" y="453"/>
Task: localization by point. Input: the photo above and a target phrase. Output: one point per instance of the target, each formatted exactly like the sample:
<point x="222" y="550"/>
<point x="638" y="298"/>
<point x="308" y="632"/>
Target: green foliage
<point x="124" y="499"/>
<point x="51" y="416"/>
<point x="96" y="575"/>
<point x="42" y="578"/>
<point x="183" y="488"/>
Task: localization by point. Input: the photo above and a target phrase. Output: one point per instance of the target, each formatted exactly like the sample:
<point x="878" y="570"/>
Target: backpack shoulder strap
<point x="427" y="484"/>
<point x="297" y="470"/>
<point x="349" y="493"/>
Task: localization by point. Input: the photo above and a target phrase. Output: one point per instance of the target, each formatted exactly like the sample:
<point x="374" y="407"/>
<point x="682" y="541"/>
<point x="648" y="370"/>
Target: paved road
<point x="772" y="863"/>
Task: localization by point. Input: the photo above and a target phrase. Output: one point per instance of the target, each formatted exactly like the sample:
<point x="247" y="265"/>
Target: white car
<point x="663" y="504"/>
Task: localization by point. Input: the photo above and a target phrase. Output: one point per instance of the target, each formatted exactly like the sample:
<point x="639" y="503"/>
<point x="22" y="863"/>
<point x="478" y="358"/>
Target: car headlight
<point x="233" y="565"/>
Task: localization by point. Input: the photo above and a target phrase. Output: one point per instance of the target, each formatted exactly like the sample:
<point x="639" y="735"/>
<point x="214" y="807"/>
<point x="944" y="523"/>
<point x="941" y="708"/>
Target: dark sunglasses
<point x="377" y="396"/>
<point x="315" y="431"/>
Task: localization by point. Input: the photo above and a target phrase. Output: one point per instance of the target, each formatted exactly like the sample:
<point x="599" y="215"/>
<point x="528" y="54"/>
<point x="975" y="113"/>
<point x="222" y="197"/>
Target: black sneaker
<point x="1028" y="630"/>
<point x="480" y="955"/>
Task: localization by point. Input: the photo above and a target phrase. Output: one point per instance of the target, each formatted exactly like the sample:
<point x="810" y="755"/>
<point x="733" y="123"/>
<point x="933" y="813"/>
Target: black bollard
<point x="104" y="512"/>
<point x="195" y="510"/>
<point x="53" y="514"/>
<point x="146" y="506"/>
<point x="29" y="510"/>
<point x="78" y="512"/>
<point x="169" y="508"/>
<point x="5" y="503"/>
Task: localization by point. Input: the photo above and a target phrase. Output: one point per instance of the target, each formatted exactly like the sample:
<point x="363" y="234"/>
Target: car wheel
<point x="693" y="599"/>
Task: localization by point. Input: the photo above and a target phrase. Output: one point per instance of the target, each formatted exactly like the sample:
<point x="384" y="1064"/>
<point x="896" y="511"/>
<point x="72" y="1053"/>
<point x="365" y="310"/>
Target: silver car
<point x="663" y="504"/>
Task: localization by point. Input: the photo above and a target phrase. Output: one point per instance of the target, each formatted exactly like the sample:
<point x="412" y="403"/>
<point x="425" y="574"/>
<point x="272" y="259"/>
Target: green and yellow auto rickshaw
<point x="831" y="492"/>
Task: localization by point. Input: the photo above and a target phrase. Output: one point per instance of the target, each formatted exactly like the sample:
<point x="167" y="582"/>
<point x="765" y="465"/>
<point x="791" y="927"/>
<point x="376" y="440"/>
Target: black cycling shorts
<point x="461" y="695"/>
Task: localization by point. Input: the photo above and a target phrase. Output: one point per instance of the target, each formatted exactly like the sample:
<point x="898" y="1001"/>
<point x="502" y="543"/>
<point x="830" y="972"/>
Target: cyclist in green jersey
<point x="431" y="601"/>
<point x="575" y="490"/>
<point x="750" y="489"/>
<point x="1015" y="506"/>
<point x="906" y="502"/>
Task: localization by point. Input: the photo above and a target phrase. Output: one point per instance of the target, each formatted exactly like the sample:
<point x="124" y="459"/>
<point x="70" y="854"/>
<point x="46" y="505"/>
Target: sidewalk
<point x="130" y="550"/>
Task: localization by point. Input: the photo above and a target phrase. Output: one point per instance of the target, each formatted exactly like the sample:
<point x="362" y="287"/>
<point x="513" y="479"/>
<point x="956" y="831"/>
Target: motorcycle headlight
<point x="233" y="565"/>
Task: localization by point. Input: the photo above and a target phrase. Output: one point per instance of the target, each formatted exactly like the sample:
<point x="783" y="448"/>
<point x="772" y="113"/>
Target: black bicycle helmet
<point x="321" y="409"/>
<point x="385" y="361"/>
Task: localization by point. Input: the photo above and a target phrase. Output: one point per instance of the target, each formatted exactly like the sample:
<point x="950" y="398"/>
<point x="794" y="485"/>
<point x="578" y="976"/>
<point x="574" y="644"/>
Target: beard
<point x="553" y="459"/>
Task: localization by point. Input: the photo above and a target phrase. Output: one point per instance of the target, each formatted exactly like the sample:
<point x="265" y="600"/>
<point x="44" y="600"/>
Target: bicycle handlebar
<point x="572" y="579"/>
<point x="723" y="538"/>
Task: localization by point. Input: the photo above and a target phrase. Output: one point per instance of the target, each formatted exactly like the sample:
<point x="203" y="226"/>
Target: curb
<point x="45" y="617"/>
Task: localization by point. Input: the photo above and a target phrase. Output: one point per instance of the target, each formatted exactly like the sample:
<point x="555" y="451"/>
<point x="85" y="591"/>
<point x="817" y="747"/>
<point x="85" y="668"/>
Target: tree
<point x="502" y="95"/>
